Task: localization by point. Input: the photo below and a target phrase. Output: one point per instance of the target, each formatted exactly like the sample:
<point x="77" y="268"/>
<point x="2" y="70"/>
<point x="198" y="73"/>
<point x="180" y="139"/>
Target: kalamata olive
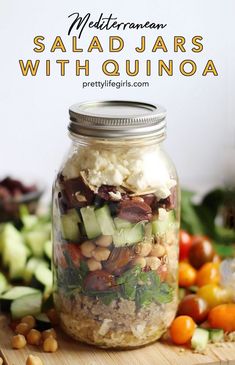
<point x="200" y="252"/>
<point x="195" y="307"/>
<point x="99" y="280"/>
<point x="119" y="258"/>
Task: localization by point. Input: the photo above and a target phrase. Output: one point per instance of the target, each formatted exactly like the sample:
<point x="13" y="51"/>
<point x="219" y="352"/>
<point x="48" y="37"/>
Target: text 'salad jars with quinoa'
<point x="115" y="226"/>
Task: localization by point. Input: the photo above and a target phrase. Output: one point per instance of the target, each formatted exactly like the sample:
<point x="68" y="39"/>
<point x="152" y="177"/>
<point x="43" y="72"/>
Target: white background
<point x="201" y="117"/>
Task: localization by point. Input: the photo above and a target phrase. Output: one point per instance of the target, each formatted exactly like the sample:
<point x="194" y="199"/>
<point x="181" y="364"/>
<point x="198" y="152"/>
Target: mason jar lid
<point x="117" y="119"/>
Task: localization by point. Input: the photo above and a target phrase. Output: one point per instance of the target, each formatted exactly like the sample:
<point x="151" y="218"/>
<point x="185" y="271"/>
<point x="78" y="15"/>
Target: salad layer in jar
<point x="115" y="245"/>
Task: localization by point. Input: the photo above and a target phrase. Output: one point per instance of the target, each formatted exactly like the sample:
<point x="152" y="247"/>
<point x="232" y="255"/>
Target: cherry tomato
<point x="182" y="329"/>
<point x="195" y="307"/>
<point x="214" y="295"/>
<point x="72" y="250"/>
<point x="223" y="316"/>
<point x="99" y="280"/>
<point x="208" y="274"/>
<point x="187" y="274"/>
<point x="200" y="252"/>
<point x="185" y="242"/>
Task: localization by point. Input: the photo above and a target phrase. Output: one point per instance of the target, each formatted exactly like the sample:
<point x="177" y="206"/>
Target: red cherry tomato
<point x="185" y="244"/>
<point x="99" y="280"/>
<point x="194" y="307"/>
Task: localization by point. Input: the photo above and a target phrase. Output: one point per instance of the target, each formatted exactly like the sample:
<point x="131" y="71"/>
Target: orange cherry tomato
<point x="208" y="274"/>
<point x="223" y="316"/>
<point x="182" y="329"/>
<point x="187" y="274"/>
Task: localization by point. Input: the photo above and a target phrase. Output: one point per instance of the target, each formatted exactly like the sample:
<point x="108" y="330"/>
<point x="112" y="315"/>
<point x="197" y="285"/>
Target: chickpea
<point x="87" y="248"/>
<point x="144" y="249"/>
<point x="101" y="254"/>
<point x="22" y="329"/>
<point x="93" y="265"/>
<point x="30" y="320"/>
<point x="140" y="261"/>
<point x="50" y="344"/>
<point x="49" y="333"/>
<point x="18" y="342"/>
<point x="33" y="360"/>
<point x="104" y="241"/>
<point x="158" y="251"/>
<point x="53" y="316"/>
<point x="34" y="337"/>
<point x="153" y="262"/>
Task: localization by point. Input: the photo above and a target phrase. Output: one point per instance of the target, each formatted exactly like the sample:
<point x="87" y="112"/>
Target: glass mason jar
<point x="115" y="226"/>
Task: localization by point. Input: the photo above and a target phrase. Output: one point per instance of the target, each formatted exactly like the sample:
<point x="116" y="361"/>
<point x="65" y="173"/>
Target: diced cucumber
<point x="28" y="304"/>
<point x="105" y="220"/>
<point x="90" y="222"/>
<point x="29" y="221"/>
<point x="122" y="223"/>
<point x="128" y="236"/>
<point x="14" y="252"/>
<point x="36" y="241"/>
<point x="31" y="266"/>
<point x="14" y="293"/>
<point x="216" y="335"/>
<point x="161" y="226"/>
<point x="48" y="249"/>
<point x="200" y="339"/>
<point x="69" y="225"/>
<point x="3" y="283"/>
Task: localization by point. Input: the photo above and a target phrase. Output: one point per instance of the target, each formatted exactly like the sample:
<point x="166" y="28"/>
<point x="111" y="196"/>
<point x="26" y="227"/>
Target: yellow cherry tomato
<point x="208" y="274"/>
<point x="214" y="295"/>
<point x="187" y="274"/>
<point x="182" y="329"/>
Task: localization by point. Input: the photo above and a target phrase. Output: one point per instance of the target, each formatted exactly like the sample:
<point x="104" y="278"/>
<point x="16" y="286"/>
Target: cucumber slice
<point x="48" y="249"/>
<point x="14" y="252"/>
<point x="105" y="220"/>
<point x="162" y="226"/>
<point x="17" y="292"/>
<point x="28" y="304"/>
<point x="216" y="335"/>
<point x="31" y="266"/>
<point x="90" y="222"/>
<point x="29" y="221"/>
<point x="122" y="223"/>
<point x="3" y="283"/>
<point x="128" y="236"/>
<point x="14" y="293"/>
<point x="200" y="339"/>
<point x="43" y="279"/>
<point x="36" y="241"/>
<point x="69" y="225"/>
<point x="42" y="322"/>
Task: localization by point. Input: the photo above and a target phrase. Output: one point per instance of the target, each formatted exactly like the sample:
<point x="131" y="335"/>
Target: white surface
<point x="201" y="117"/>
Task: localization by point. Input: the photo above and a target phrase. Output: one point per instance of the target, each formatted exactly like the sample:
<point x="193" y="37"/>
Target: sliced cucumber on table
<point x="14" y="293"/>
<point x="14" y="251"/>
<point x="42" y="322"/>
<point x="200" y="339"/>
<point x="43" y="279"/>
<point x="26" y="305"/>
<point x="31" y="267"/>
<point x="36" y="241"/>
<point x="3" y="283"/>
<point x="48" y="249"/>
